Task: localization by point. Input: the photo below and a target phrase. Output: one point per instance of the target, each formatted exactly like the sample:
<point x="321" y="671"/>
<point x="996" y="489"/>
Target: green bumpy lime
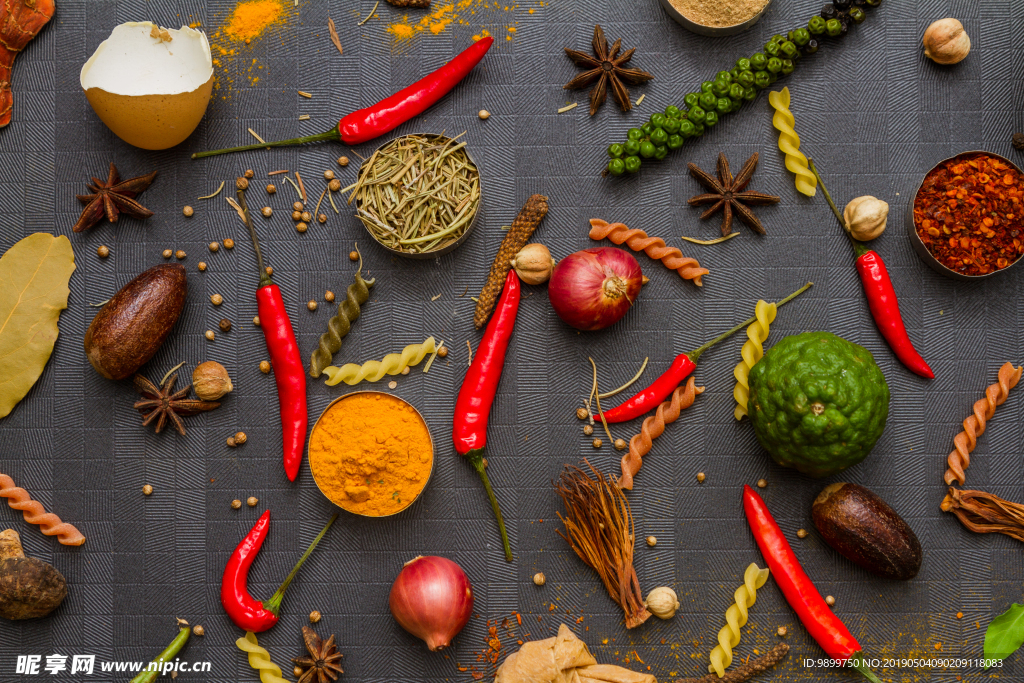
<point x="818" y="403"/>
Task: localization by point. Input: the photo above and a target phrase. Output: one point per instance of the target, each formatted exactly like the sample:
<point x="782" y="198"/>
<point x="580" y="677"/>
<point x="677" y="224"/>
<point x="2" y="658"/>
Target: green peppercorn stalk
<point x="730" y="89"/>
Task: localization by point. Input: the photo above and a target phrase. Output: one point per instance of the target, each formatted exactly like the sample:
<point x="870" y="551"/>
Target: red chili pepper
<point x="289" y="371"/>
<point x="881" y="296"/>
<point x="476" y="395"/>
<point x="247" y="612"/>
<point x="824" y="626"/>
<point x="682" y="367"/>
<point x="371" y="122"/>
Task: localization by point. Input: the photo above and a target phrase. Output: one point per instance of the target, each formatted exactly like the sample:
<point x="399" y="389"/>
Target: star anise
<point x="727" y="193"/>
<point x="113" y="198"/>
<point x="163" y="403"/>
<point x="606" y="67"/>
<point x="323" y="665"/>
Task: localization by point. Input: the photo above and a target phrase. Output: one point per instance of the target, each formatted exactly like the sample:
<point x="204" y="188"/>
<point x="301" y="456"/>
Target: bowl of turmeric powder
<point x="371" y="453"/>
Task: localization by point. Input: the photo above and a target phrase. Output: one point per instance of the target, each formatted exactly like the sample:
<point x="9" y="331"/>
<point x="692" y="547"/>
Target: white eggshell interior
<point x="131" y="62"/>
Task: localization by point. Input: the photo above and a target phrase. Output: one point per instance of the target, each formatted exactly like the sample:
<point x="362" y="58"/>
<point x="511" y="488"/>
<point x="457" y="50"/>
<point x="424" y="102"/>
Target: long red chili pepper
<point x="473" y="406"/>
<point x="881" y="296"/>
<point x="824" y="626"/>
<point x="371" y="122"/>
<point x="247" y="612"/>
<point x="289" y="371"/>
<point x="685" y="363"/>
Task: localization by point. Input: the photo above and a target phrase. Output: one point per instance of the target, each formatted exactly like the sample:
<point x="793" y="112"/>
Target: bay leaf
<point x="34" y="276"/>
<point x="1004" y="634"/>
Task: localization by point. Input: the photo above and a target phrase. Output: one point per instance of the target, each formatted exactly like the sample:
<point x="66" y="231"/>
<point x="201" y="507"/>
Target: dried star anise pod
<point x="323" y="665"/>
<point x="163" y="403"/>
<point x="727" y="193"/>
<point x="606" y="66"/>
<point x="113" y="198"/>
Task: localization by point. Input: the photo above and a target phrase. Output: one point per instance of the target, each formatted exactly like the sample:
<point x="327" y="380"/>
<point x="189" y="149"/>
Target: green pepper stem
<point x="148" y="675"/>
<point x="858" y="247"/>
<point x="273" y="605"/>
<point x="862" y="668"/>
<point x="332" y="134"/>
<point x="695" y="354"/>
<point x="265" y="280"/>
<point x="476" y="459"/>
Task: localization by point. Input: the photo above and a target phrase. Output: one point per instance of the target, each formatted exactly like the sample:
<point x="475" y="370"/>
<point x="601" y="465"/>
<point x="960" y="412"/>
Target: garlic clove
<point x="946" y="42"/>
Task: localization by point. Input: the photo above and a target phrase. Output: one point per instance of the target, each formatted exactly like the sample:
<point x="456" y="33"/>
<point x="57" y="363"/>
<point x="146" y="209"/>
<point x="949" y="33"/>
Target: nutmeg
<point x="946" y="42"/>
<point x="211" y="381"/>
<point x="865" y="217"/>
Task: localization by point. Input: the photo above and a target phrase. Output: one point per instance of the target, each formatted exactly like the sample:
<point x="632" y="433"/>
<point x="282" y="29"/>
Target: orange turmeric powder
<point x="371" y="453"/>
<point x="250" y="19"/>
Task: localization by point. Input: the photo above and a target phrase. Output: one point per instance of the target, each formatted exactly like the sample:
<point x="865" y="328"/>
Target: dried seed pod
<point x="210" y="381"/>
<point x="231" y="441"/>
<point x="484" y="114"/>
<point x="216" y="299"/>
<point x="652" y="541"/>
<point x="271" y="189"/>
<point x="167" y="253"/>
<point x="305" y="217"/>
<point x="342" y="161"/>
<point x="180" y="254"/>
<point x="297" y="206"/>
<point x="301" y="227"/>
<point x="198" y="630"/>
<point x="353" y="256"/>
<point x="240" y="438"/>
<point x="761" y="483"/>
<point x="588" y="430"/>
<point x="597" y="442"/>
<point x="620" y="444"/>
<point x="201" y="266"/>
<point x="248" y="173"/>
<point x="314" y="617"/>
<point x="781" y="632"/>
<point x="442" y="352"/>
<point x="311" y="305"/>
<point x="187" y="211"/>
<point x="334" y="185"/>
<point x="236" y="504"/>
<point x="582" y="413"/>
<point x="264" y="366"/>
<point x="103" y="251"/>
<point x="242" y="183"/>
<point x="700" y="477"/>
<point x="328" y="296"/>
<point x="322" y="218"/>
<point x="267" y="212"/>
<point x="251" y="501"/>
<point x="214" y="247"/>
<point x="147" y="490"/>
<point x="801" y="533"/>
<point x="229" y="243"/>
<point x="829" y="600"/>
<point x="209" y="335"/>
<point x="539" y="579"/>
<point x="296" y="216"/>
<point x="328" y="174"/>
<point x="256" y="320"/>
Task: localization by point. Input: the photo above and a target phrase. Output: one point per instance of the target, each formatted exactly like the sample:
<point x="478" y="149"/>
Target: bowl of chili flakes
<point x="967" y="217"/>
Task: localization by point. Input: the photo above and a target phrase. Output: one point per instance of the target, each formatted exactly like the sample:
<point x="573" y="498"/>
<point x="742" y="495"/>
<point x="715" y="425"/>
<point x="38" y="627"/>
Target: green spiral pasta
<point x="259" y="659"/>
<point x="337" y="327"/>
<point x="735" y="617"/>
<point x="373" y="370"/>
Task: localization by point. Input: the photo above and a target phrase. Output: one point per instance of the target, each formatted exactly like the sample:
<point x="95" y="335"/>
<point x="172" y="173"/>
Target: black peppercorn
<point x="841" y="5"/>
<point x="811" y="47"/>
<point x="829" y="11"/>
<point x="1018" y="140"/>
<point x="859" y="3"/>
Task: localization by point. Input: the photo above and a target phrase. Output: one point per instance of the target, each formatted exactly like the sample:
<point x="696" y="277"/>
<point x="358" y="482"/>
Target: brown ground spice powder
<point x="718" y="13"/>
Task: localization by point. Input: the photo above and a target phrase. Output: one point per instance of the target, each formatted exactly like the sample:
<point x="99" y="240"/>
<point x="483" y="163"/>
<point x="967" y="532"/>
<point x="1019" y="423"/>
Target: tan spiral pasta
<point x="637" y="240"/>
<point x="653" y="427"/>
<point x="974" y="425"/>
<point x="35" y="513"/>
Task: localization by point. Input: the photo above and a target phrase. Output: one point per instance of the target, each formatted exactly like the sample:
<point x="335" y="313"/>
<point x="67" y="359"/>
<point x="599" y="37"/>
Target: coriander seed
<point x="242" y="184"/>
<point x="209" y="335"/>
<point x="198" y="630"/>
<point x="180" y="254"/>
<point x="201" y="266"/>
<point x="214" y="247"/>
<point x="296" y="216"/>
<point x="781" y="632"/>
<point x="251" y="501"/>
<point x="484" y="114"/>
<point x="167" y="253"/>
<point x="442" y="352"/>
<point x="187" y="211"/>
<point x="588" y="429"/>
<point x="314" y="617"/>
<point x="216" y="299"/>
<point x="306" y="217"/>
<point x="103" y="251"/>
<point x="392" y="384"/>
<point x="229" y="243"/>
<point x="829" y="600"/>
<point x="147" y="490"/>
<point x="620" y="444"/>
<point x="264" y="366"/>
<point x="240" y="438"/>
<point x="761" y="483"/>
<point x="334" y="185"/>
<point x="342" y="161"/>
<point x="353" y="256"/>
<point x="267" y="212"/>
<point x="597" y="442"/>
<point x="405" y="370"/>
<point x="328" y="175"/>
<point x="582" y="413"/>
<point x="231" y="441"/>
<point x="301" y="227"/>
<point x="700" y="477"/>
<point x="256" y="320"/>
<point x="271" y="189"/>
<point x="236" y="504"/>
<point x="225" y="325"/>
<point x="652" y="541"/>
<point x="322" y="218"/>
<point x="297" y="206"/>
<point x="269" y="270"/>
<point x="801" y="533"/>
<point x="311" y="305"/>
<point x="248" y="173"/>
<point x="328" y="296"/>
<point x="539" y="579"/>
<point x="298" y="671"/>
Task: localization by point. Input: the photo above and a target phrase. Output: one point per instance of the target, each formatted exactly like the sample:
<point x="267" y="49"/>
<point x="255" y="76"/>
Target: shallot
<point x="592" y="289"/>
<point x="432" y="599"/>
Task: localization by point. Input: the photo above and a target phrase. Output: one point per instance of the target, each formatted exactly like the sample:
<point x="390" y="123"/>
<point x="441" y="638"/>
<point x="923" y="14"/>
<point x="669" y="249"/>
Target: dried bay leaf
<point x="34" y="276"/>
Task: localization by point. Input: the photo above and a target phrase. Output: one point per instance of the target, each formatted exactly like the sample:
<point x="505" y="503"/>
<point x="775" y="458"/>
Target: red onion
<point x="593" y="288"/>
<point x="432" y="599"/>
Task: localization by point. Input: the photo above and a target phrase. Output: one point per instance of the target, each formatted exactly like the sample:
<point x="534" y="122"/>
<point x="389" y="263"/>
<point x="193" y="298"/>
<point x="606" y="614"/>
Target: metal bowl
<point x="922" y="249"/>
<point x="714" y="31"/>
<point x="472" y="223"/>
<point x="432" y="454"/>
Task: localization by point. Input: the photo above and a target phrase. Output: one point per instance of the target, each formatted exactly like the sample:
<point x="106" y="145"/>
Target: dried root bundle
<point x="985" y="513"/>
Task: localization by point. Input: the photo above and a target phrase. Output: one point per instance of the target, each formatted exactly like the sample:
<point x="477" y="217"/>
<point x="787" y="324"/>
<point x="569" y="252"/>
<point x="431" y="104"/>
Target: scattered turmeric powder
<point x="371" y="453"/>
<point x="247" y="22"/>
<point x="460" y="12"/>
<point x="250" y="19"/>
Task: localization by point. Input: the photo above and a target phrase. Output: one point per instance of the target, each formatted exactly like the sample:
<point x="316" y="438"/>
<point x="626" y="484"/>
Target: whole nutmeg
<point x="662" y="602"/>
<point x="210" y="381"/>
<point x="533" y="264"/>
<point x="865" y="217"/>
<point x="946" y="42"/>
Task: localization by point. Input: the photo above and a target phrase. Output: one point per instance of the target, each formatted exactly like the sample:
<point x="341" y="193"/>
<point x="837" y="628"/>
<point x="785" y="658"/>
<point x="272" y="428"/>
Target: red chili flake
<point x="948" y="207"/>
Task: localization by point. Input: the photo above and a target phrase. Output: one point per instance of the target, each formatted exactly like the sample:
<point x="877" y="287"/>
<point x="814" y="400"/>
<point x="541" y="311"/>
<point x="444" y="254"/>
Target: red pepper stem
<point x="695" y="354"/>
<point x="274" y="603"/>
<point x="332" y="134"/>
<point x="476" y="459"/>
<point x="859" y="247"/>
<point x="265" y="280"/>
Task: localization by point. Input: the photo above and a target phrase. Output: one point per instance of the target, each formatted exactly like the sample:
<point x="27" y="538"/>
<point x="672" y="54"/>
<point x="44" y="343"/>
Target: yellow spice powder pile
<point x="247" y="22"/>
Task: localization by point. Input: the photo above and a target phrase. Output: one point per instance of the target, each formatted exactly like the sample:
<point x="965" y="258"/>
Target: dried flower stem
<point x="985" y="513"/>
<point x="599" y="528"/>
<point x="747" y="671"/>
<point x="334" y="35"/>
<point x="211" y="196"/>
<point x="597" y="395"/>
<point x="302" y="188"/>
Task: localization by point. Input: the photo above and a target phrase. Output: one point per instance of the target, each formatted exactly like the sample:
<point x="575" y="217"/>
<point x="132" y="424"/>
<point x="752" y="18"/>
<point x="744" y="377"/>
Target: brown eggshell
<point x="132" y="326"/>
<point x="865" y="530"/>
<point x="151" y="121"/>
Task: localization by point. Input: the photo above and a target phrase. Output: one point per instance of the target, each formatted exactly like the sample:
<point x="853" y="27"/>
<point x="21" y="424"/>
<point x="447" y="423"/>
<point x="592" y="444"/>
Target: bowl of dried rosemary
<point x="418" y="195"/>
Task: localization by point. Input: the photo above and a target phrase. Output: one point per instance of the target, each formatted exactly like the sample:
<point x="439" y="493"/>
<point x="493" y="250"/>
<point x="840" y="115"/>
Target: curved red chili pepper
<point x="824" y="626"/>
<point x="885" y="309"/>
<point x="245" y="611"/>
<point x="476" y="395"/>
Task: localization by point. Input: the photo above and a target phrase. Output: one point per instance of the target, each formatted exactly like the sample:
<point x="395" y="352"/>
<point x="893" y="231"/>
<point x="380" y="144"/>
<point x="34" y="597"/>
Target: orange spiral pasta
<point x="640" y="445"/>
<point x="637" y="240"/>
<point x="974" y="425"/>
<point x="35" y="513"/>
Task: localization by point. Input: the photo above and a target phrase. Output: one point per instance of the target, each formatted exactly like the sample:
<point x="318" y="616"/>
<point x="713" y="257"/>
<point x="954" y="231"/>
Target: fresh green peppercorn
<point x="787" y="66"/>
<point x="746" y="79"/>
<point x="634" y="134"/>
<point x="615" y="150"/>
<point x="833" y="27"/>
<point x="743" y="64"/>
<point x="675" y="141"/>
<point x="696" y="115"/>
<point x="857" y="14"/>
<point x="723" y="76"/>
<point x="720" y="88"/>
<point x="631" y="148"/>
<point x="691" y="99"/>
<point x="816" y="26"/>
<point x="672" y="126"/>
<point x="758" y="61"/>
<point x="659" y="136"/>
<point x="706" y="86"/>
<point x="672" y="111"/>
<point x="749" y="93"/>
<point x="616" y="166"/>
<point x="737" y="102"/>
<point x="788" y="50"/>
<point x="778" y="38"/>
<point x="657" y="119"/>
<point x="771" y="49"/>
<point x="735" y="73"/>
<point x="724" y="105"/>
<point x="712" y="119"/>
<point x="761" y="80"/>
<point x="874" y="3"/>
<point x="647" y="128"/>
<point x="707" y="100"/>
<point x="811" y="47"/>
<point x="736" y="91"/>
<point x="632" y="164"/>
<point x="800" y="36"/>
<point x="686" y="129"/>
<point x="698" y="129"/>
<point x="772" y="78"/>
<point x="647" y="149"/>
<point x="774" y="65"/>
<point x="660" y="152"/>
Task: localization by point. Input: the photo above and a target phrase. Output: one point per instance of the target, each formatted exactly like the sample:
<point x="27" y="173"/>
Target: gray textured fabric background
<point x="871" y="110"/>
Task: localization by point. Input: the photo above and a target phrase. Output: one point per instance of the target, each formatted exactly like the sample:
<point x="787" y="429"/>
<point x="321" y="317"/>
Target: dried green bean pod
<point x="337" y="327"/>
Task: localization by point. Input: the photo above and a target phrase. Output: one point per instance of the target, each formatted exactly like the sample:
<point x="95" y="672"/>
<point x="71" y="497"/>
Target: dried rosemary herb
<point x="417" y="194"/>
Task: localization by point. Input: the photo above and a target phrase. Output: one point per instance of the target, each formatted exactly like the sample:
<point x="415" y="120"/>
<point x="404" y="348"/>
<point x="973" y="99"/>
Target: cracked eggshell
<point x="150" y="92"/>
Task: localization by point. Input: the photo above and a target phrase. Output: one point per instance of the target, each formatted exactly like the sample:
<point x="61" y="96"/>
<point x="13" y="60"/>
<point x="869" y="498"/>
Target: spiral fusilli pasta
<point x="752" y="351"/>
<point x="974" y="425"/>
<point x="735" y="617"/>
<point x="373" y="370"/>
<point x="337" y="327"/>
<point x="259" y="659"/>
<point x="653" y="427"/>
<point x="789" y="142"/>
<point x="637" y="240"/>
<point x="34" y="512"/>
